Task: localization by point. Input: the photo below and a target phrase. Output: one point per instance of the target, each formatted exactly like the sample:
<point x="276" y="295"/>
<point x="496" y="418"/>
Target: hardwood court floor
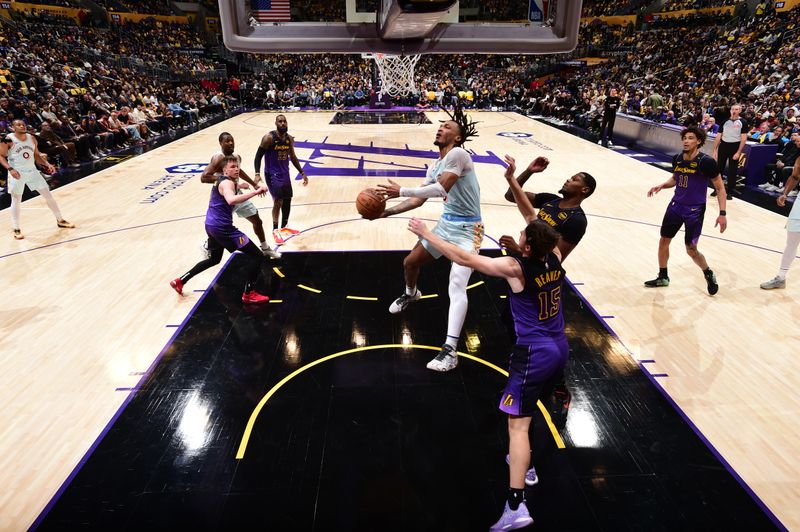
<point x="87" y="311"/>
<point x="356" y="434"/>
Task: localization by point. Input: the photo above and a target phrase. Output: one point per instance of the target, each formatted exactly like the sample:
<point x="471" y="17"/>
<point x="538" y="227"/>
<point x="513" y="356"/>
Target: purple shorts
<point x="228" y="238"/>
<point x="533" y="369"/>
<point x="279" y="188"/>
<point x="678" y="215"/>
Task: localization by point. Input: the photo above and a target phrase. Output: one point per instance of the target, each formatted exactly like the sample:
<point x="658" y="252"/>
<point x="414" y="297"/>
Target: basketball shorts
<point x="793" y="222"/>
<point x="245" y="209"/>
<point x="279" y="188"/>
<point x="689" y="215"/>
<point x="464" y="232"/>
<point x="533" y="370"/>
<point x="229" y="238"/>
<point x="32" y="178"/>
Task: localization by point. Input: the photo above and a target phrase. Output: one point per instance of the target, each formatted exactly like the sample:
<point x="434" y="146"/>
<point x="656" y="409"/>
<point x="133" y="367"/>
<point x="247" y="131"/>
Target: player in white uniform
<point x="792" y="227"/>
<point x="19" y="153"/>
<point x="245" y="209"/>
<point x="453" y="178"/>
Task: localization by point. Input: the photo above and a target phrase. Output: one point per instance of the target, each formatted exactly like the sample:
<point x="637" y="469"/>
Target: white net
<point x="396" y="73"/>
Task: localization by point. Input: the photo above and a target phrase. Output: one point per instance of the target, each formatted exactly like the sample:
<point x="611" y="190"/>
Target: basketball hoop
<point x="396" y="73"/>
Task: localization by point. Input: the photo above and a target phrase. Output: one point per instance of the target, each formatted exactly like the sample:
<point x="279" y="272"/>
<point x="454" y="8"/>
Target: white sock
<point x="457" y="290"/>
<point x="15" y="208"/>
<point x="265" y="246"/>
<point x="792" y="242"/>
<point x="51" y="202"/>
<point x="411" y="290"/>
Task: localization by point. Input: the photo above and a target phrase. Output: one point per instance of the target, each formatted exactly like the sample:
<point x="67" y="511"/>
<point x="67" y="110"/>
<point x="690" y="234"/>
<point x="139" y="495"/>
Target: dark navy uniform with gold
<point x="688" y="205"/>
<point x="571" y="223"/>
<point x="276" y="167"/>
<point x="541" y="351"/>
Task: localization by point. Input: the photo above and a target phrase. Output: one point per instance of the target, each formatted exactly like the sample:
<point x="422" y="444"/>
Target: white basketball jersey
<point x="20" y="155"/>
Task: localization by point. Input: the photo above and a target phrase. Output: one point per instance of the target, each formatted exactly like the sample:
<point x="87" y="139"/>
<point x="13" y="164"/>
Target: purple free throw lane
<point x="124" y="404"/>
<point x="686" y="418"/>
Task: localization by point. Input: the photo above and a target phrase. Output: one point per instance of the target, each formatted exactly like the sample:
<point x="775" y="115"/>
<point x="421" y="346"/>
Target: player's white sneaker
<point x="271" y="253"/>
<point x="400" y="304"/>
<point x="446" y="360"/>
<point x="205" y="251"/>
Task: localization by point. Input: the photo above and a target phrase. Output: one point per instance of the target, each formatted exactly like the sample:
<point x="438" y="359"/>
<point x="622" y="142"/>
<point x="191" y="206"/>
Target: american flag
<point x="270" y="10"/>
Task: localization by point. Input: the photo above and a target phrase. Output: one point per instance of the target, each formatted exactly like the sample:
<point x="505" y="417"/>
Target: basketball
<point x="370" y="204"/>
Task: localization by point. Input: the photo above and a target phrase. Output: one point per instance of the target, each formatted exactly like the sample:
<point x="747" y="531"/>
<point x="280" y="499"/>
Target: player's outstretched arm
<point x="669" y="183"/>
<point x="536" y="166"/>
<point x="523" y="203"/>
<point x="228" y="191"/>
<point x="503" y="267"/>
<point x="407" y="205"/>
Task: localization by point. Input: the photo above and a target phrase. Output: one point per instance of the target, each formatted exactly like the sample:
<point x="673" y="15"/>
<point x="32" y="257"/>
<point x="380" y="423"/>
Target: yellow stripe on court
<point x="257" y="410"/>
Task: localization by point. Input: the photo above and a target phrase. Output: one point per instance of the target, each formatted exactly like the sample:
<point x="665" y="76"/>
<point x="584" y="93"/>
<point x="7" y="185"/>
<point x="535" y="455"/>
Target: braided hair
<point x="465" y="123"/>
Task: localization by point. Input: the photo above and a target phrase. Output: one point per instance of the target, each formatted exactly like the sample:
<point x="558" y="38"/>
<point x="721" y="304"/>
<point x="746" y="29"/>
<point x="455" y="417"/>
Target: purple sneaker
<point x="531" y="478"/>
<point x="513" y="519"/>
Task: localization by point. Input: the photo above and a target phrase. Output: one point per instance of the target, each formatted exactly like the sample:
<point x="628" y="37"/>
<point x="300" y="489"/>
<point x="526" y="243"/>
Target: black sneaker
<point x="728" y="196"/>
<point x="711" y="280"/>
<point x="713" y="193"/>
<point x="657" y="282"/>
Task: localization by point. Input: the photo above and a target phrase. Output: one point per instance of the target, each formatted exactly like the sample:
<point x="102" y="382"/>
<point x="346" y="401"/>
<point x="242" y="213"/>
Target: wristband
<point x="10" y="168"/>
<point x="723" y="213"/>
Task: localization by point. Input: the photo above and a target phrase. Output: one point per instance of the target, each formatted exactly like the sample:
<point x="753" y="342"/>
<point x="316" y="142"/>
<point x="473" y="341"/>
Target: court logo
<point x="176" y="177"/>
<point x="524" y="139"/>
<point x="191" y="168"/>
<point x="352" y="160"/>
<point x="515" y="134"/>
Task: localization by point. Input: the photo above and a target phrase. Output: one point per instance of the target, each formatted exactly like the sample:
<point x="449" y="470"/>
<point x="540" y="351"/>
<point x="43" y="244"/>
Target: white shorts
<point x="793" y="223"/>
<point x="32" y="178"/>
<point x="466" y="234"/>
<point x="245" y="209"/>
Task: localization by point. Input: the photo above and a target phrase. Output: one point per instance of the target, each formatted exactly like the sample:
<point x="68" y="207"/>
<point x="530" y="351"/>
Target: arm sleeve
<point x="259" y="155"/>
<point x="435" y="190"/>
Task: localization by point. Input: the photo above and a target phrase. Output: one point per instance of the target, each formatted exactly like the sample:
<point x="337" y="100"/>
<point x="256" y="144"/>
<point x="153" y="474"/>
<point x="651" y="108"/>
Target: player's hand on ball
<point x="538" y="165"/>
<point x="417" y="226"/>
<point x="511" y="168"/>
<point x="508" y="243"/>
<point x="392" y="190"/>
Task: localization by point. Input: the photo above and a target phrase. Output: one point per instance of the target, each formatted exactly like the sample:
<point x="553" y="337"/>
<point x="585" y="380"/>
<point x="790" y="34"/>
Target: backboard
<point x="349" y="26"/>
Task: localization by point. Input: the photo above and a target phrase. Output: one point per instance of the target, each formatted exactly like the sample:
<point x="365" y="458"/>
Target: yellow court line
<point x="429" y="296"/>
<point x="276" y="300"/>
<point x="363" y="298"/>
<point x="473" y="285"/>
<point x="503" y="297"/>
<point x="304" y="287"/>
<point x="272" y="391"/>
<point x="276" y="270"/>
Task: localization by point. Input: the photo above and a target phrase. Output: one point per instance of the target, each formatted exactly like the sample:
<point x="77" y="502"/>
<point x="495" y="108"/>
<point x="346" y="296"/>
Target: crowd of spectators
<point x="678" y="5"/>
<point x="83" y="108"/>
<point x="685" y="70"/>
